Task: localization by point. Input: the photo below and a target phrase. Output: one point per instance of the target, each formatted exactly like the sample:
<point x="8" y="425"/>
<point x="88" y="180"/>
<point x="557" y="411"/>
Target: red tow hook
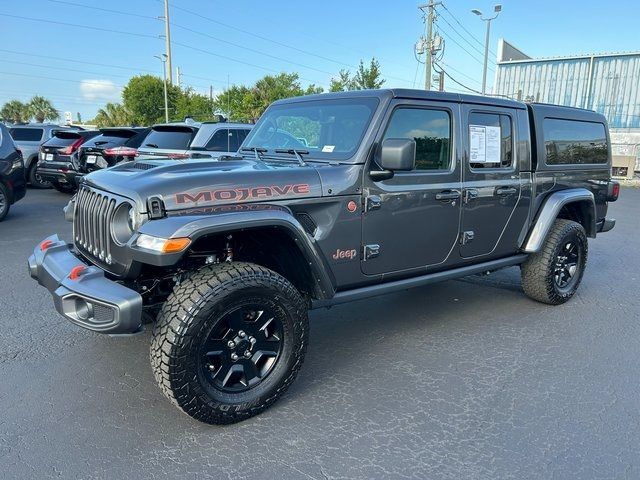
<point x="76" y="271"/>
<point x="46" y="244"/>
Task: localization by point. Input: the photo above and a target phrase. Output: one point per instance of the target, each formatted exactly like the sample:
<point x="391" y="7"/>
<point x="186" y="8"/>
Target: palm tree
<point x="15" y="111"/>
<point x="42" y="109"/>
<point x="112" y="115"/>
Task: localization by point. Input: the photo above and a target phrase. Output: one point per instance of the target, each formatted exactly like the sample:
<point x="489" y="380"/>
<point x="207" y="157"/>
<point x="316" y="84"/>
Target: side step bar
<point x="404" y="284"/>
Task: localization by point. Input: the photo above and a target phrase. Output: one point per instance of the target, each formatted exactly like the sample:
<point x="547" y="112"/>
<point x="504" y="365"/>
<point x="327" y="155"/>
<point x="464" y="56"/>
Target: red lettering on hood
<point x="242" y="194"/>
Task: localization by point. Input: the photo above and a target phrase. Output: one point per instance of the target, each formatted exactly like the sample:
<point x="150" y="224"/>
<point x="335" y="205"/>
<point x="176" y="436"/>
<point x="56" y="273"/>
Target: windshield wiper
<point x="257" y="151"/>
<point x="294" y="151"/>
<point x="152" y="145"/>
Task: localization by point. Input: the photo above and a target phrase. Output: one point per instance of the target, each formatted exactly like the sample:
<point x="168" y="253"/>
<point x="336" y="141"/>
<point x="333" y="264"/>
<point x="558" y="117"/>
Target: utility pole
<point x="429" y="9"/>
<point x="167" y="41"/>
<point x="496" y="9"/>
<point x="163" y="59"/>
<point x="178" y="77"/>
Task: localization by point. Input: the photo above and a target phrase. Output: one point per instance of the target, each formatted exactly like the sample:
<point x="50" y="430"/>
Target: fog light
<point x="84" y="309"/>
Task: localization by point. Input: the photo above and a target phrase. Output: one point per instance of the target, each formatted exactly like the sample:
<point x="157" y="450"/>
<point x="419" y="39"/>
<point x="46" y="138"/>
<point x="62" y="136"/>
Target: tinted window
<point x="431" y="130"/>
<point x="26" y="134"/>
<point x="491" y="140"/>
<point x="169" y="139"/>
<point x="226" y="140"/>
<point x="105" y="139"/>
<point x="328" y="129"/>
<point x="61" y="141"/>
<point x="570" y="142"/>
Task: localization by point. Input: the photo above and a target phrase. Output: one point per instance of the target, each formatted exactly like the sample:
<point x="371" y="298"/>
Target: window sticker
<point x="328" y="148"/>
<point x="484" y="143"/>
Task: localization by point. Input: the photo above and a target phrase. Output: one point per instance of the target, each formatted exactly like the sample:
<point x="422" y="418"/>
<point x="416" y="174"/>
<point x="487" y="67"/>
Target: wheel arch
<point x="577" y="204"/>
<point x="271" y="238"/>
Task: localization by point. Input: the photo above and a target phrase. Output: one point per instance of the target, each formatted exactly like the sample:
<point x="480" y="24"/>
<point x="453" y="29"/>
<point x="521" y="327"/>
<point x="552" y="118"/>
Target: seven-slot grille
<point x="93" y="214"/>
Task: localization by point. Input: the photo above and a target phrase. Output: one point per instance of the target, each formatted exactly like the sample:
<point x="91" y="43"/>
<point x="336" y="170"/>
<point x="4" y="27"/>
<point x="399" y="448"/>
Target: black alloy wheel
<point x="242" y="348"/>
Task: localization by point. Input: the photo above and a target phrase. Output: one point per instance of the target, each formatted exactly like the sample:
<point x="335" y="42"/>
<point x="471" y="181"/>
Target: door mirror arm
<point x="380" y="175"/>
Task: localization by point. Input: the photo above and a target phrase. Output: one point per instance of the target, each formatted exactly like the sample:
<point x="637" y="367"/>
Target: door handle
<point x="503" y="191"/>
<point x="448" y="195"/>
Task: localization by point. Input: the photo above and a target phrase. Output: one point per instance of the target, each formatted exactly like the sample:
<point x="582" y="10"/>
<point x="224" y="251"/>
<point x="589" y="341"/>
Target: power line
<point x="461" y="36"/>
<point x="481" y="62"/>
<point x="460" y="73"/>
<point x="66" y="69"/>
<point x="86" y="82"/>
<point x="251" y="49"/>
<point x="130" y="14"/>
<point x="99" y="64"/>
<point x="465" y="29"/>
<point x="86" y="27"/>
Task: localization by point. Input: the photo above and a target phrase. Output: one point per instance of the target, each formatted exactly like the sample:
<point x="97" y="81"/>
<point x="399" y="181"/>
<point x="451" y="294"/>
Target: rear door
<point x="412" y="220"/>
<point x="492" y="187"/>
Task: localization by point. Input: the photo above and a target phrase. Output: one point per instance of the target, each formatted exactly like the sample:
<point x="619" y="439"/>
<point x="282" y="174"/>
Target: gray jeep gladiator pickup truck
<point x="332" y="198"/>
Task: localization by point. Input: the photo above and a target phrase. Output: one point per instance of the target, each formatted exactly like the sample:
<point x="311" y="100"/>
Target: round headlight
<point x="123" y="224"/>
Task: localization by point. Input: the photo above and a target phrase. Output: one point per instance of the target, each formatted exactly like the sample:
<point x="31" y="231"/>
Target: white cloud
<point x="100" y="90"/>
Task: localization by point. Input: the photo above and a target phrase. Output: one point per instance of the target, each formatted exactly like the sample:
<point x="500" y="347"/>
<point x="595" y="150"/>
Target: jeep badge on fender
<point x="223" y="258"/>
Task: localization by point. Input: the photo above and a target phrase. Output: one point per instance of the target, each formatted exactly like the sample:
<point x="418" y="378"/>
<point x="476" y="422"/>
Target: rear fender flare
<point x="197" y="226"/>
<point x="549" y="212"/>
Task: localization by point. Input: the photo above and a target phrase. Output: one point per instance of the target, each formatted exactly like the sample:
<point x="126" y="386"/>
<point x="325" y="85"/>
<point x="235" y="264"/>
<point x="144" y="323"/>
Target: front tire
<point x="553" y="274"/>
<point x="229" y="341"/>
<point x="4" y="202"/>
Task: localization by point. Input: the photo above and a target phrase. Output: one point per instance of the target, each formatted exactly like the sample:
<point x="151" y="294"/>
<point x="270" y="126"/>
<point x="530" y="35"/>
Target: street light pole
<point x="497" y="9"/>
<point x="163" y="59"/>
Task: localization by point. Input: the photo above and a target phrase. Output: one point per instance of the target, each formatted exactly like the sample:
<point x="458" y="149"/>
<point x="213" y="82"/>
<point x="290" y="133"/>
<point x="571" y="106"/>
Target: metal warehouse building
<point x="608" y="83"/>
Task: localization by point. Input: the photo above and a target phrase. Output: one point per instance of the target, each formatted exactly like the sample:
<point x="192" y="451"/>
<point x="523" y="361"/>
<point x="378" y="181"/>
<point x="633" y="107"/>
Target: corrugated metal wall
<point x="614" y="88"/>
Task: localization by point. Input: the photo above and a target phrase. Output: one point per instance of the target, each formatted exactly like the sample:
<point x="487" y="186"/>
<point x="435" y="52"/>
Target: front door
<point x="411" y="221"/>
<point x="491" y="179"/>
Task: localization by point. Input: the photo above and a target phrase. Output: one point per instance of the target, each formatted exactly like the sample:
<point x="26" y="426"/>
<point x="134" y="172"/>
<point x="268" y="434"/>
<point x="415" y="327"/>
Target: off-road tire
<point x="538" y="271"/>
<point x="33" y="178"/>
<point x="4" y="202"/>
<point x="192" y="310"/>
<point x="63" y="188"/>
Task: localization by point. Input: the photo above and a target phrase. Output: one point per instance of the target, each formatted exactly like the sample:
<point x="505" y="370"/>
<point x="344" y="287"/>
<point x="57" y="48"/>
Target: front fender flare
<point x="549" y="212"/>
<point x="197" y="226"/>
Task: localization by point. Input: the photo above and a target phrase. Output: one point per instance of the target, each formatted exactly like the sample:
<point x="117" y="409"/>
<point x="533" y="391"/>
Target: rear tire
<point x="4" y="202"/>
<point x="34" y="178"/>
<point x="229" y="341"/>
<point x="553" y="274"/>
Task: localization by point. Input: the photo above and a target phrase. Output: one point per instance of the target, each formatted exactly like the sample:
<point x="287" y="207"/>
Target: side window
<point x="431" y="130"/>
<point x="569" y="142"/>
<point x="26" y="134"/>
<point x="490" y="140"/>
<point x="224" y="140"/>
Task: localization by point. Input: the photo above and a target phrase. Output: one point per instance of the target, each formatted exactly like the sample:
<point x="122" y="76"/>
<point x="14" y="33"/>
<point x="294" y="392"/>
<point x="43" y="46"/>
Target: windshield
<point x="327" y="129"/>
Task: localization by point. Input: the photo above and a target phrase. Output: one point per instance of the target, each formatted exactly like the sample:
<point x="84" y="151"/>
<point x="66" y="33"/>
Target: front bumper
<point x="91" y="300"/>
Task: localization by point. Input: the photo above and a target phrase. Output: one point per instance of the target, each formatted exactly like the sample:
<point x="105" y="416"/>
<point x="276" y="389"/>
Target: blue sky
<point x="80" y="69"/>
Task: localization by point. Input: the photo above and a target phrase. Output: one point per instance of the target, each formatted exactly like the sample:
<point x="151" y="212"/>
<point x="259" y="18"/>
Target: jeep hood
<point x="199" y="183"/>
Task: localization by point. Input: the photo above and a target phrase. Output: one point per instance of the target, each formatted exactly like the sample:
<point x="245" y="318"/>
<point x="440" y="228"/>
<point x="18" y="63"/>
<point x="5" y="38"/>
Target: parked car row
<point x="58" y="156"/>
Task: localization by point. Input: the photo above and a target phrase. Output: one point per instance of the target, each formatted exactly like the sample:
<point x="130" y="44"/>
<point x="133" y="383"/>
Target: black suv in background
<point x="112" y="146"/>
<point x="58" y="158"/>
<point x="12" y="181"/>
<point x="28" y="137"/>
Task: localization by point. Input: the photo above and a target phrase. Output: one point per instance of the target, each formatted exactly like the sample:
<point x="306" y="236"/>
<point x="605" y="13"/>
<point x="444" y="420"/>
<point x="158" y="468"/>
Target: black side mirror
<point x="398" y="154"/>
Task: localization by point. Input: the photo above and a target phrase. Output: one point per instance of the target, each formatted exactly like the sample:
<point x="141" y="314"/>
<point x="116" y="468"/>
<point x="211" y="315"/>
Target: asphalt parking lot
<point x="465" y="379"/>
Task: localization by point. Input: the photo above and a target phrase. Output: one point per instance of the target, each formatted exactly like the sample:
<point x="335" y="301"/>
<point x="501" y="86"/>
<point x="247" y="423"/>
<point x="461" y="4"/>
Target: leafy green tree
<point x="365" y="78"/>
<point x="143" y="97"/>
<point x="42" y="109"/>
<point x="241" y="103"/>
<point x="194" y="105"/>
<point x="368" y="77"/>
<point x="342" y="83"/>
<point x="112" y="115"/>
<point x="14" y="111"/>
